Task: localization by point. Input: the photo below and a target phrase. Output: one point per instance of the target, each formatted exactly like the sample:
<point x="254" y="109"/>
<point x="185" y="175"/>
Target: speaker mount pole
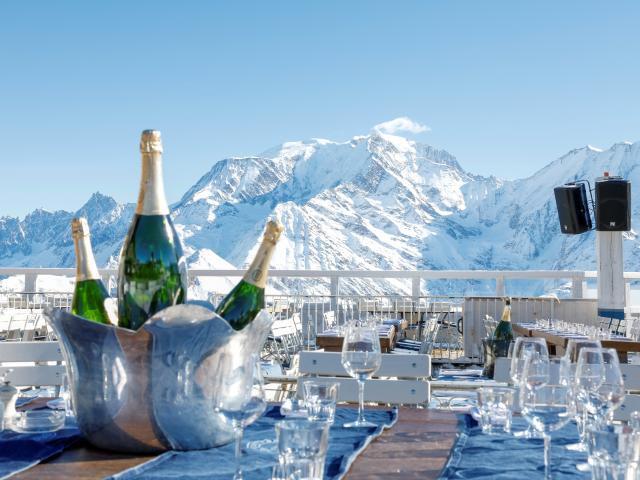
<point x="611" y="286"/>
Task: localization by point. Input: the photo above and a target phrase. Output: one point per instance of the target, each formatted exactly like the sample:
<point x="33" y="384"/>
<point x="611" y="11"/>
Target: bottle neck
<point x="259" y="268"/>
<point x="86" y="268"/>
<point x="506" y="314"/>
<point x="152" y="199"/>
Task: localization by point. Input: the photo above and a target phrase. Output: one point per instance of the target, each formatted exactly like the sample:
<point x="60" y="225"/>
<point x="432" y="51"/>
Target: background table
<point x="333" y="342"/>
<point x="416" y="447"/>
<point x="558" y="343"/>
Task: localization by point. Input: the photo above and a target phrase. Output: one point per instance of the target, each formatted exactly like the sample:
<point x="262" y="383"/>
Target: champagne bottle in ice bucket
<point x="498" y="346"/>
<point x="153" y="269"/>
<point x="242" y="304"/>
<point x="89" y="294"/>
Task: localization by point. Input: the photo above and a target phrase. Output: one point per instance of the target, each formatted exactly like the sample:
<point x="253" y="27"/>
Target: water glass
<point x="320" y="399"/>
<point x="614" y="452"/>
<point x="302" y="442"/>
<point x="495" y="405"/>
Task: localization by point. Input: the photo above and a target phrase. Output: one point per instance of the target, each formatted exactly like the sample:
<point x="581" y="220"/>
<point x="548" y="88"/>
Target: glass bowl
<point x="38" y="421"/>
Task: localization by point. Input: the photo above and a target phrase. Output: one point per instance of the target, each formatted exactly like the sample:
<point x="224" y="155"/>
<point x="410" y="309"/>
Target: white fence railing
<point x="576" y="278"/>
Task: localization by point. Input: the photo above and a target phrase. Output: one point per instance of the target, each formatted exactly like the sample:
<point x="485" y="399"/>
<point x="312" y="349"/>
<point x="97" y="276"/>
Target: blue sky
<point x="505" y="86"/>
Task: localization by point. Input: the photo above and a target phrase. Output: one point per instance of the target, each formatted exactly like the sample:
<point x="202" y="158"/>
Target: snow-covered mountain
<point x="374" y="202"/>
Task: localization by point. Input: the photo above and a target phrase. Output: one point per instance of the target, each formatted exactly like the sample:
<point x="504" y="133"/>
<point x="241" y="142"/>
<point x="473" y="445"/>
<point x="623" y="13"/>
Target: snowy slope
<point x="374" y="202"/>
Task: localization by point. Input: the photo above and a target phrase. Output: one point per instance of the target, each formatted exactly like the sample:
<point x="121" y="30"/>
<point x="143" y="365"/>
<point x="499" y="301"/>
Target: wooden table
<point x="416" y="447"/>
<point x="333" y="343"/>
<point x="558" y="343"/>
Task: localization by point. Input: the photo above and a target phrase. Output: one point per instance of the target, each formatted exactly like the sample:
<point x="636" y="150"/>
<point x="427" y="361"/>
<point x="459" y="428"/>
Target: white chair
<point x="401" y="379"/>
<point x="283" y="342"/>
<point x="32" y="363"/>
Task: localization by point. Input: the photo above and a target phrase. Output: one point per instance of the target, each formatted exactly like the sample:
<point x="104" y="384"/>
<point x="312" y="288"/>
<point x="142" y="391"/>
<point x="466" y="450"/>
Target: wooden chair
<point x="43" y="363"/>
<point x="401" y="379"/>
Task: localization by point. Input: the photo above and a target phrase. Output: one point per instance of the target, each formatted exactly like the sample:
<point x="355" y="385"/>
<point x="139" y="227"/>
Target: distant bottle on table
<point x="504" y="331"/>
<point x="242" y="304"/>
<point x="153" y="269"/>
<point x="89" y="294"/>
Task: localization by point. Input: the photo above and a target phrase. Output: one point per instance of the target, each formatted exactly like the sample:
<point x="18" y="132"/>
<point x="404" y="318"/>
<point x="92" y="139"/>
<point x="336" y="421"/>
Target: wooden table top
<point x="416" y="447"/>
<point x="333" y="343"/>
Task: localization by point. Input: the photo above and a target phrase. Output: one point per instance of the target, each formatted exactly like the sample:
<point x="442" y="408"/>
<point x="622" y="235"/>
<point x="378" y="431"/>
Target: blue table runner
<point x="261" y="451"/>
<point x="20" y="451"/>
<point x="505" y="457"/>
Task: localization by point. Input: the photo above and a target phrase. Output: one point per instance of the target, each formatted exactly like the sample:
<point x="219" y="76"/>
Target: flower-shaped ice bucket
<point x="155" y="389"/>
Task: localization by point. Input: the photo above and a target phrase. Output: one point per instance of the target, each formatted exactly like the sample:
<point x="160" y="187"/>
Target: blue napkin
<point x="505" y="457"/>
<point x="261" y="451"/>
<point x="20" y="451"/>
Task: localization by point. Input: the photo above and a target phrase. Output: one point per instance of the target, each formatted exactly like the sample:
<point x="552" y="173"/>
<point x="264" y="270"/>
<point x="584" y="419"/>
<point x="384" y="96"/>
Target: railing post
<point x="334" y="291"/>
<point x="576" y="286"/>
<point x="415" y="290"/>
<point x="500" y="290"/>
<point x="30" y="280"/>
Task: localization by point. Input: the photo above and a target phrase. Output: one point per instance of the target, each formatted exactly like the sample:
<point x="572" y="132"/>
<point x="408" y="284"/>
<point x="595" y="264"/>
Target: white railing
<point x="576" y="278"/>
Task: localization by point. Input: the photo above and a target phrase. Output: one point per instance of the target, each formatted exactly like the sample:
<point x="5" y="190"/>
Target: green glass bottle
<point x="153" y="270"/>
<point x="89" y="293"/>
<point x="504" y="331"/>
<point x="242" y="304"/>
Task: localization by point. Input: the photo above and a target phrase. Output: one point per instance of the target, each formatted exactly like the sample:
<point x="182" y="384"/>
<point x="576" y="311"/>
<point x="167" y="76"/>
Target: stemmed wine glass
<point x="600" y="383"/>
<point x="611" y="391"/>
<point x="567" y="377"/>
<point x="243" y="403"/>
<point x="361" y="358"/>
<point x="546" y="406"/>
<point x="523" y="347"/>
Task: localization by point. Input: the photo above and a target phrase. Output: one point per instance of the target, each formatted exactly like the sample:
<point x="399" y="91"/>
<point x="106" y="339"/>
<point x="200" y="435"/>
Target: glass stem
<point x="547" y="457"/>
<point x="361" y="400"/>
<point x="583" y="430"/>
<point x="237" y="430"/>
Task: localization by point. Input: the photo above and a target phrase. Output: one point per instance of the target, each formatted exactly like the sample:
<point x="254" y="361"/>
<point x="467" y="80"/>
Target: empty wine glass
<point x="243" y="403"/>
<point x="548" y="408"/>
<point x="361" y="358"/>
<point x="567" y="377"/>
<point x="600" y="382"/>
<point x="611" y="391"/>
<point x="522" y="347"/>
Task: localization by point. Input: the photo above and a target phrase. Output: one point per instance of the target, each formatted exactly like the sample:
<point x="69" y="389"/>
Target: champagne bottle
<point x="242" y="304"/>
<point x="504" y="331"/>
<point x="89" y="293"/>
<point x="153" y="270"/>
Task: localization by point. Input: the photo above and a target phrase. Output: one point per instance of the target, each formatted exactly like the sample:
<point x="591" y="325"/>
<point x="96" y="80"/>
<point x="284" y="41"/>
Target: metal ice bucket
<point x="155" y="389"/>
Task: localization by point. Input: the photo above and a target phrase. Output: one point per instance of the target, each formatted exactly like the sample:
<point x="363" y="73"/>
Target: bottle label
<point x="257" y="273"/>
<point x="152" y="199"/>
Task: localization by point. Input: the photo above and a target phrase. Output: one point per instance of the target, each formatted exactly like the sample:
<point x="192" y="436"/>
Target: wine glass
<point x="567" y="377"/>
<point x="611" y="391"/>
<point x="243" y="403"/>
<point x="361" y="358"/>
<point x="604" y="390"/>
<point x="522" y="347"/>
<point x="547" y="408"/>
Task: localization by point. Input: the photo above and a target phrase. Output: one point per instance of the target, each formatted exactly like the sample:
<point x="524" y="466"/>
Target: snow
<point x="379" y="201"/>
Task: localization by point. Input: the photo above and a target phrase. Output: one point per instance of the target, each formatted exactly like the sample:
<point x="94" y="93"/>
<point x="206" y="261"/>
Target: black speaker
<point x="613" y="204"/>
<point x="573" y="209"/>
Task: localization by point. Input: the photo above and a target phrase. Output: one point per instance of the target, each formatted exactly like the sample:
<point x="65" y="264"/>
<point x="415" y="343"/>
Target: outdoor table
<point x="558" y="341"/>
<point x="330" y="341"/>
<point x="416" y="447"/>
